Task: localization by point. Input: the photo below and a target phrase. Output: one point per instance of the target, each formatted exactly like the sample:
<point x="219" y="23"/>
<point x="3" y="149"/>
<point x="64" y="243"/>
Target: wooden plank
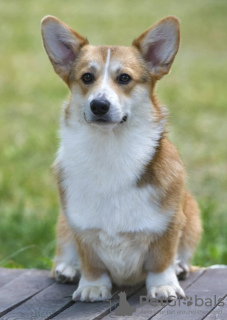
<point x="220" y="312"/>
<point x="7" y="275"/>
<point x="22" y="288"/>
<point x="145" y="311"/>
<point x="37" y="297"/>
<point x="45" y="304"/>
<point x="203" y="294"/>
<point x="96" y="310"/>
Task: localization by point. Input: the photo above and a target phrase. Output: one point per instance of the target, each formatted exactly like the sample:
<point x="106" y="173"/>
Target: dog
<point x="126" y="215"/>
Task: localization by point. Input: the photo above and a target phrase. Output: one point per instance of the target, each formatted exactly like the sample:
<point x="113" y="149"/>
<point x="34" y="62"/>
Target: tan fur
<point x="59" y="174"/>
<point x="192" y="228"/>
<point x="166" y="244"/>
<point x="67" y="110"/>
<point x="92" y="267"/>
<point x="64" y="235"/>
<point x="166" y="171"/>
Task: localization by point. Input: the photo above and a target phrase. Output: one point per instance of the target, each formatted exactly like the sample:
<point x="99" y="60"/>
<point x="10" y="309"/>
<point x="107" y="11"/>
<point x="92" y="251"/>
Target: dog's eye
<point x="124" y="78"/>
<point x="87" y="78"/>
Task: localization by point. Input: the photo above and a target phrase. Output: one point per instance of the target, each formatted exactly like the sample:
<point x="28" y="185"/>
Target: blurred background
<point x="31" y="95"/>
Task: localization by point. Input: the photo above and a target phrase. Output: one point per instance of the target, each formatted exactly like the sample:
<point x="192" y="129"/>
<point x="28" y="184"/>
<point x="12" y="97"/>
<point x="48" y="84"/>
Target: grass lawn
<point x="31" y="96"/>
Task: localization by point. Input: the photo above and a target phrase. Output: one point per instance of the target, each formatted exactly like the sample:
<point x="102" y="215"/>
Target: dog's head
<point x="110" y="84"/>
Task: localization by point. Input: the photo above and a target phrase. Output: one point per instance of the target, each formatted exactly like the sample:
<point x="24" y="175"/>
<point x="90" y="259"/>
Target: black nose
<point x="100" y="107"/>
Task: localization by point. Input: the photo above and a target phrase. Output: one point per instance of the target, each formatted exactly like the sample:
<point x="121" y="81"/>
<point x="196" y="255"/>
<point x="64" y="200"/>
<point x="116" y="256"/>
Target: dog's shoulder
<point x="165" y="172"/>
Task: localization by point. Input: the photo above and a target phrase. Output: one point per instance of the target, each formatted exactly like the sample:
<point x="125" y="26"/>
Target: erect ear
<point x="159" y="45"/>
<point x="62" y="44"/>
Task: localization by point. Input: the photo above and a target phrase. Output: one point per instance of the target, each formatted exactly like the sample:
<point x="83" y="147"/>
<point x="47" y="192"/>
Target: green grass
<point x="31" y="96"/>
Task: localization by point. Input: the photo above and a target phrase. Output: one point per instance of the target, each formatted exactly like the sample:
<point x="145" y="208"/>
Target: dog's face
<point x="106" y="78"/>
<point x="110" y="85"/>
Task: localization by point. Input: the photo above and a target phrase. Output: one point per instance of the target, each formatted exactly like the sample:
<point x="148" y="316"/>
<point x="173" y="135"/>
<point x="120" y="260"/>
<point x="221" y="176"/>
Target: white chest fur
<point x="100" y="175"/>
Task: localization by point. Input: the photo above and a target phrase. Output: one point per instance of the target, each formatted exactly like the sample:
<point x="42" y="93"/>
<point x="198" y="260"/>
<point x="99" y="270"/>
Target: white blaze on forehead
<point x="107" y="91"/>
<point x="106" y="68"/>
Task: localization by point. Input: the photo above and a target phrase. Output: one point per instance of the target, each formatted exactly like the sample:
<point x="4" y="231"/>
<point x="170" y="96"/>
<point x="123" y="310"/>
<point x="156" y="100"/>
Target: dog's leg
<point x="66" y="263"/>
<point x="161" y="281"/>
<point x="95" y="283"/>
<point x="189" y="237"/>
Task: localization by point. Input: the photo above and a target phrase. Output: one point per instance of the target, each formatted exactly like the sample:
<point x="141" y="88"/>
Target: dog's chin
<point x="104" y="125"/>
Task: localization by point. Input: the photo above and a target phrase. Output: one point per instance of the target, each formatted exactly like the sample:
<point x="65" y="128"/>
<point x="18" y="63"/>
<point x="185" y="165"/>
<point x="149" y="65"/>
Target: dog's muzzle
<point x="100" y="112"/>
<point x="99" y="109"/>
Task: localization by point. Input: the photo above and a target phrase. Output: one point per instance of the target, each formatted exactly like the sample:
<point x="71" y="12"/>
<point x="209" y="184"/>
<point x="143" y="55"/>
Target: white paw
<point x="164" y="285"/>
<point x="93" y="290"/>
<point x="66" y="273"/>
<point x="92" y="294"/>
<point x="166" y="292"/>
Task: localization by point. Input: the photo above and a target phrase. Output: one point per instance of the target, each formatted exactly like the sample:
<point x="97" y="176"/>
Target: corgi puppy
<point x="126" y="214"/>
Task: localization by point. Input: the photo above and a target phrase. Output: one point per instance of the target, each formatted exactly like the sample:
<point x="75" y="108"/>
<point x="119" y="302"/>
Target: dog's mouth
<point x="105" y="120"/>
<point x="101" y="120"/>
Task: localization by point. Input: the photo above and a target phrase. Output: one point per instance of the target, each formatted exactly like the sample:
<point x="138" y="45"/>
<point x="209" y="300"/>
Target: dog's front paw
<point x="92" y="294"/>
<point x="66" y="273"/>
<point x="166" y="292"/>
<point x="93" y="290"/>
<point x="164" y="285"/>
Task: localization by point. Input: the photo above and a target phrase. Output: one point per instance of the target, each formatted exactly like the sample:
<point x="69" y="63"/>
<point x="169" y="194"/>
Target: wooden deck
<point x="32" y="294"/>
